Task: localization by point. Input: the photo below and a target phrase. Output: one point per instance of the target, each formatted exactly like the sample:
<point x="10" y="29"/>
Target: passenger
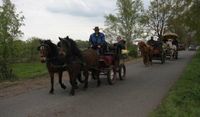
<point x="121" y="42"/>
<point x="171" y="46"/>
<point x="121" y="48"/>
<point x="175" y="42"/>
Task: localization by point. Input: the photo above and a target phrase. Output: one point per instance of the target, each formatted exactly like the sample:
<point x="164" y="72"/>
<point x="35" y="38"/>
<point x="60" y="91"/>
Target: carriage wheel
<point x="111" y="75"/>
<point x="122" y="72"/>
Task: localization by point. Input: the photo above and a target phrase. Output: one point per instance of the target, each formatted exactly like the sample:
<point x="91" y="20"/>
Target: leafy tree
<point x="175" y="23"/>
<point x="18" y="53"/>
<point x="126" y="21"/>
<point x="181" y="17"/>
<point x="82" y="44"/>
<point x="112" y="27"/>
<point x="191" y="18"/>
<point x="31" y="48"/>
<point x="184" y="20"/>
<point x="10" y="22"/>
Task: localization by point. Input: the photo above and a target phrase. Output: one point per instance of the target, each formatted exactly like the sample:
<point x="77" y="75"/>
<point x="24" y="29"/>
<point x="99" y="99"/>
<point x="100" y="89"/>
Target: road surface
<point x="137" y="96"/>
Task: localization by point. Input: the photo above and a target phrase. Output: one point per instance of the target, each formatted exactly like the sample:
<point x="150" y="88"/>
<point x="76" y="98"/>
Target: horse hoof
<point x="51" y="92"/>
<point x="76" y="87"/>
<point x="72" y="93"/>
<point x="99" y="84"/>
<point x="63" y="86"/>
<point x="85" y="87"/>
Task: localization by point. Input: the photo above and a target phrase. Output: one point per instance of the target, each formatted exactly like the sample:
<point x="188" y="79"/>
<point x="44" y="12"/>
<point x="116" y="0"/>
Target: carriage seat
<point x="109" y="53"/>
<point x="106" y="59"/>
<point x="157" y="44"/>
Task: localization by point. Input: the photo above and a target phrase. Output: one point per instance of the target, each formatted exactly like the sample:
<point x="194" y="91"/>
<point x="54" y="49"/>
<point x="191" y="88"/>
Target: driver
<point x="97" y="41"/>
<point x="151" y="42"/>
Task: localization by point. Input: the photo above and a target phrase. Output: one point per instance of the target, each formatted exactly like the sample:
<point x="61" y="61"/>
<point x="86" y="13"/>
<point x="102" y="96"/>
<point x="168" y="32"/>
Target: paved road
<point x="136" y="96"/>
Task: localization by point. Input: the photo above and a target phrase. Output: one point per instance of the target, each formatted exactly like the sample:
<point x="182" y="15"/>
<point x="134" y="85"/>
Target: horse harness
<point x="54" y="61"/>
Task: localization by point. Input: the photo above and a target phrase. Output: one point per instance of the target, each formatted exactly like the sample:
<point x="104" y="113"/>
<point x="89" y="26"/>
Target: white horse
<point x="171" y="48"/>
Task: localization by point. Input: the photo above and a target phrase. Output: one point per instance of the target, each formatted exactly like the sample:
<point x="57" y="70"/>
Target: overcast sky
<point x="49" y="19"/>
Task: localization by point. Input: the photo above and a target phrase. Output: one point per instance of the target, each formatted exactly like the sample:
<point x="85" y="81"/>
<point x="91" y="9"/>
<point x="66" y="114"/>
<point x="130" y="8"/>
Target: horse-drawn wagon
<point x="158" y="52"/>
<point x="112" y="62"/>
<point x="170" y="45"/>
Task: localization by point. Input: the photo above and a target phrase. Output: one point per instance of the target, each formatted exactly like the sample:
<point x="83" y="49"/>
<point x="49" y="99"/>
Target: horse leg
<point x="86" y="75"/>
<point x="93" y="75"/>
<point x="72" y="92"/>
<point x="72" y="82"/>
<point x="171" y="54"/>
<point x="80" y="78"/>
<point x="52" y="83"/>
<point x="144" y="60"/>
<point x="60" y="80"/>
<point x="148" y="60"/>
<point x="98" y="78"/>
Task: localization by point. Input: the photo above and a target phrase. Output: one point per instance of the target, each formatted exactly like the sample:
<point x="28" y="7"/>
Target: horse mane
<point x="142" y="44"/>
<point x="143" y="47"/>
<point x="53" y="47"/>
<point x="74" y="50"/>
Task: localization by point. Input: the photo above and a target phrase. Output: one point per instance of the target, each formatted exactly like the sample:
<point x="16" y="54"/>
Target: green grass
<point x="29" y="70"/>
<point x="183" y="99"/>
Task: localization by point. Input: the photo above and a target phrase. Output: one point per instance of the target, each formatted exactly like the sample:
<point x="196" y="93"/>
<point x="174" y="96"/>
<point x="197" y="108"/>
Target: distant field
<point x="29" y="70"/>
<point x="184" y="98"/>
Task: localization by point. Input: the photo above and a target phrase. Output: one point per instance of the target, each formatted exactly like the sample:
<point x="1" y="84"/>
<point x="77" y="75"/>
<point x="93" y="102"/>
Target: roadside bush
<point x="6" y="73"/>
<point x="133" y="51"/>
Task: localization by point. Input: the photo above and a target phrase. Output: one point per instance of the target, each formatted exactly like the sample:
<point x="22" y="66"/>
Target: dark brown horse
<point x="87" y="59"/>
<point x="146" y="52"/>
<point x="90" y="57"/>
<point x="50" y="55"/>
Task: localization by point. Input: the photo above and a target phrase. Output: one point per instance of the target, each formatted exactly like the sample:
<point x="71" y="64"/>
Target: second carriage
<point x="158" y="50"/>
<point x="170" y="45"/>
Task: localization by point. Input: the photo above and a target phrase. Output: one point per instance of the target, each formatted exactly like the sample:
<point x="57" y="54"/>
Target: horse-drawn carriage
<point x="158" y="52"/>
<point x="170" y="45"/>
<point x="66" y="56"/>
<point x="112" y="62"/>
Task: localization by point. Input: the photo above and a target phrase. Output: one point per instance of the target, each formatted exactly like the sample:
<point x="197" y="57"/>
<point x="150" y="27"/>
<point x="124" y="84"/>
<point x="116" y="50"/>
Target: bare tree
<point x="158" y="14"/>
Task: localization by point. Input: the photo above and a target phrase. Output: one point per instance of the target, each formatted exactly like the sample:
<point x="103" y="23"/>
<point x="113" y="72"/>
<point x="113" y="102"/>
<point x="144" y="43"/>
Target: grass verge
<point x="183" y="99"/>
<point x="29" y="70"/>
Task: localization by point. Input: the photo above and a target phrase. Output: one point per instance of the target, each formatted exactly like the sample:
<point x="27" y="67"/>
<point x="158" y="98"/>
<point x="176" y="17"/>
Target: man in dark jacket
<point x="151" y="42"/>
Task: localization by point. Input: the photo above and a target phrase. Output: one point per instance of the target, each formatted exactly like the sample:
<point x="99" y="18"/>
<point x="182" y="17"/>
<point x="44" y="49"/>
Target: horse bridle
<point x="44" y="48"/>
